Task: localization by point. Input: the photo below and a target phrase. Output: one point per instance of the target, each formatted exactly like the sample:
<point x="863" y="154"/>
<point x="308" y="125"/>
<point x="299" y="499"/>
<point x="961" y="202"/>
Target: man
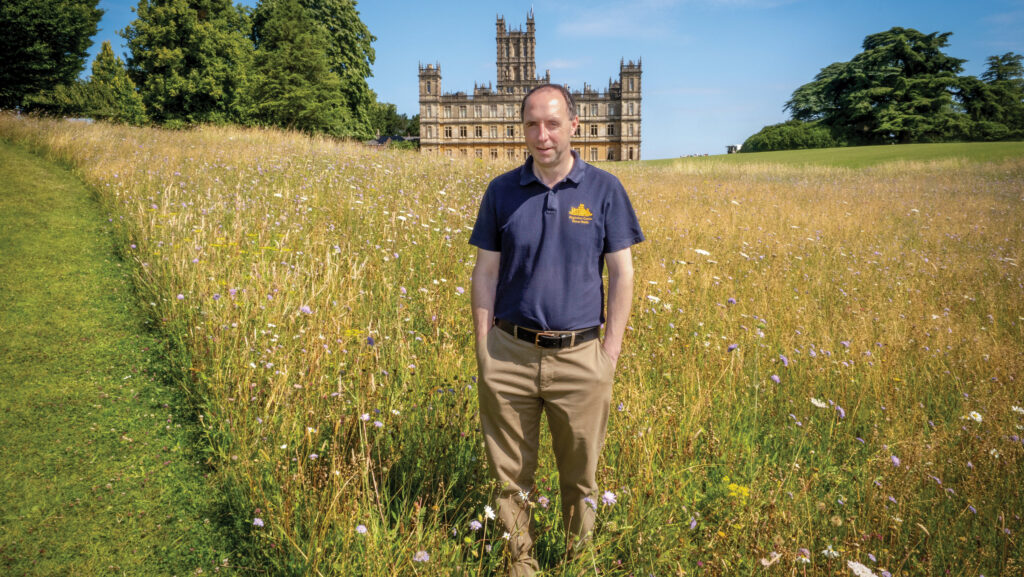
<point x="544" y="233"/>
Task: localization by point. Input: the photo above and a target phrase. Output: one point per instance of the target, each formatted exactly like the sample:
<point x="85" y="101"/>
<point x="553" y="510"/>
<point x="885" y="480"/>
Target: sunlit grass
<point x="806" y="351"/>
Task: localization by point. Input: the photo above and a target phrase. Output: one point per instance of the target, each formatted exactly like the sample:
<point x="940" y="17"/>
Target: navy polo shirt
<point x="552" y="243"/>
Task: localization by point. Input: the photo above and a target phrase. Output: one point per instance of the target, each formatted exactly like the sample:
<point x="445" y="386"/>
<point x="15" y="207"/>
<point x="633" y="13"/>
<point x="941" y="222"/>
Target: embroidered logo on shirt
<point x="580" y="214"/>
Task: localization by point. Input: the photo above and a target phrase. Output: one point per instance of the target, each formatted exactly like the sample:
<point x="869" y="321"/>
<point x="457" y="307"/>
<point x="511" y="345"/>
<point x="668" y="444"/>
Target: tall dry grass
<point x="822" y="365"/>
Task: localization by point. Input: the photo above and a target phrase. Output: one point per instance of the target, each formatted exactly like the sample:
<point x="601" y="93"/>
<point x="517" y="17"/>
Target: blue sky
<point x="714" y="71"/>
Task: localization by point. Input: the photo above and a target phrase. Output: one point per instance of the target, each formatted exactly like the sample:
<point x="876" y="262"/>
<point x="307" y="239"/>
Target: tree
<point x="44" y="43"/>
<point x="115" y="94"/>
<point x="900" y="88"/>
<point x="294" y="86"/>
<point x="349" y="53"/>
<point x="190" y="59"/>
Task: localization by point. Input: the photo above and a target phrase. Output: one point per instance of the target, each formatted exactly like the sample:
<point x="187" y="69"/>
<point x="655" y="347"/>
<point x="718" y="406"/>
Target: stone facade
<point x="487" y="123"/>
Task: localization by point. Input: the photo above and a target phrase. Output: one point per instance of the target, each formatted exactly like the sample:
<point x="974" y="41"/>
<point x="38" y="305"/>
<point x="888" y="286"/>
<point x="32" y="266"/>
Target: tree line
<point x="296" y="64"/>
<point x="901" y="88"/>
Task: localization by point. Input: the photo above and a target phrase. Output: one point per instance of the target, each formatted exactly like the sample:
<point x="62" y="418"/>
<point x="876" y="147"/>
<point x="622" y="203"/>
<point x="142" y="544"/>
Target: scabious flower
<point x="842" y="413"/>
<point x="590" y="502"/>
<point x="785" y="361"/>
<point x="364" y="417"/>
<point x="543" y="501"/>
<point x="421" y="557"/>
<point x="775" y="379"/>
<point x="304" y="309"/>
<point x="257" y="522"/>
<point x="895" y="461"/>
<point x="475" y="525"/>
<point x="608" y="498"/>
<point x="732" y="348"/>
<point x="361" y="529"/>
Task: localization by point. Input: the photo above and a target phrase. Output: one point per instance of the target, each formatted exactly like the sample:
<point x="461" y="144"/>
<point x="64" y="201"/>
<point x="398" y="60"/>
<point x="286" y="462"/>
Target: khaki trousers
<point x="517" y="383"/>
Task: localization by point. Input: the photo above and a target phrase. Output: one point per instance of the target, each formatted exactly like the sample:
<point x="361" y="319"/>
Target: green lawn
<point x="97" y="474"/>
<point x="861" y="156"/>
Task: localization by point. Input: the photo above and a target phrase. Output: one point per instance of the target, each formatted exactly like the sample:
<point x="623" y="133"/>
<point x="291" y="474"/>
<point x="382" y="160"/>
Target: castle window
<point x="463" y="152"/>
<point x="463" y="132"/>
<point x="577" y="133"/>
<point x="593" y="132"/>
<point x="494" y="111"/>
<point x="430" y="132"/>
<point x="511" y="153"/>
<point x="494" y="154"/>
<point x="462" y="112"/>
<point x="611" y="109"/>
<point x="447" y="131"/>
<point x="479" y="153"/>
<point x="593" y="154"/>
<point x="510" y="109"/>
<point x="447" y="111"/>
<point x="428" y="111"/>
<point x="510" y="131"/>
<point x="631" y="109"/>
<point x="611" y="153"/>
<point x="631" y="129"/>
<point x="428" y="87"/>
<point x="631" y="153"/>
<point x="611" y="130"/>
<point x="478" y="111"/>
<point x="478" y="132"/>
<point x="593" y="109"/>
<point x="631" y="84"/>
<point x="494" y="131"/>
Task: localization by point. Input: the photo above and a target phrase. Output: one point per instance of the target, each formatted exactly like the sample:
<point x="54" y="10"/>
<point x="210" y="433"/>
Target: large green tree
<point x="348" y="50"/>
<point x="293" y="85"/>
<point x="900" y="88"/>
<point x="191" y="59"/>
<point x="43" y="44"/>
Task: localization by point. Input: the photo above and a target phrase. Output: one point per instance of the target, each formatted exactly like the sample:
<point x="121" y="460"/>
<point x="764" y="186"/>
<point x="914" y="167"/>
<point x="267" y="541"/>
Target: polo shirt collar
<point x="526" y="175"/>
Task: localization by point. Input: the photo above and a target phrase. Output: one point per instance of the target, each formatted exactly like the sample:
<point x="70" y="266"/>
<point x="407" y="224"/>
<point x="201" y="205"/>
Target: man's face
<point x="547" y="128"/>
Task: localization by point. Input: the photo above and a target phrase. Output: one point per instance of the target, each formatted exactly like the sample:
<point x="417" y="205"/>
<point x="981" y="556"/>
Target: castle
<point x="487" y="124"/>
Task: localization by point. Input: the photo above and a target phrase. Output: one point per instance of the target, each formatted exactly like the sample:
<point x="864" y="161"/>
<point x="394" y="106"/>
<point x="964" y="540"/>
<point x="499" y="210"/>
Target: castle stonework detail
<point x="487" y="124"/>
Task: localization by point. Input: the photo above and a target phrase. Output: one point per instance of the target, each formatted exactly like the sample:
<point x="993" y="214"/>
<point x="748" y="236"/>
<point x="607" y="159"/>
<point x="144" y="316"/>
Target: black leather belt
<point x="549" y="339"/>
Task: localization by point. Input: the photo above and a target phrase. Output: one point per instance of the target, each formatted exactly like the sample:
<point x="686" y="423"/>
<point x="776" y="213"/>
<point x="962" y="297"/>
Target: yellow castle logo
<point x="580" y="214"/>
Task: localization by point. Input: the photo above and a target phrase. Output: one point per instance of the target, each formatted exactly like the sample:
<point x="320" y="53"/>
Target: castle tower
<point x="629" y="83"/>
<point x="516" y="62"/>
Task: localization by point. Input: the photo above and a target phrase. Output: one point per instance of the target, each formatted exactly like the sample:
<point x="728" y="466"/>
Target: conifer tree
<point x="294" y="86"/>
<point x="115" y="94"/>
<point x="43" y="44"/>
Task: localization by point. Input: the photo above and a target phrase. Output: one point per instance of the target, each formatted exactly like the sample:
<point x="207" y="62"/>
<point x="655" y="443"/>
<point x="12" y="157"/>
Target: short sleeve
<point x="622" y="229"/>
<point x="486" y="233"/>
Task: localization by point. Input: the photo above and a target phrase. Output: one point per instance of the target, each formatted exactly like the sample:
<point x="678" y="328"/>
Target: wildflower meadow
<point x="822" y="373"/>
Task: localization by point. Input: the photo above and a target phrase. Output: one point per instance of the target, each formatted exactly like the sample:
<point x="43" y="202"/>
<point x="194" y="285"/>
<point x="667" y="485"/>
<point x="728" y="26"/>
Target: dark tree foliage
<point x="191" y="59"/>
<point x="904" y="88"/>
<point x="294" y="86"/>
<point x="43" y="44"/>
<point x="348" y="50"/>
<point x="386" y="121"/>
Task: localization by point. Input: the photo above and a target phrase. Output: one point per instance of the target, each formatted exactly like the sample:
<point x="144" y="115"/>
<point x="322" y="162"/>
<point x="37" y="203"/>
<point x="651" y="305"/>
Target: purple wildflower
<point x="608" y="498"/>
<point x="361" y="529"/>
<point x="475" y="525"/>
<point x="304" y="309"/>
<point x="421" y="557"/>
<point x="257" y="522"/>
<point x="732" y="348"/>
<point x="846" y="344"/>
<point x="693" y="523"/>
<point x="842" y="413"/>
<point x="370" y="341"/>
<point x="895" y="461"/>
<point x="785" y="361"/>
<point x="776" y="379"/>
<point x="731" y="301"/>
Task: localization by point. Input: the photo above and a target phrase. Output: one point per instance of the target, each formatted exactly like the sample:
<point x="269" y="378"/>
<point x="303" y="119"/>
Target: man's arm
<point x="484" y="290"/>
<point x="620" y="300"/>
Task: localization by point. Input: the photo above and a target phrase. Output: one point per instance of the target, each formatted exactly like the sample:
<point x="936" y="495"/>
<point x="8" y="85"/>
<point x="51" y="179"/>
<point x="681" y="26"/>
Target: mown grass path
<point x="97" y="476"/>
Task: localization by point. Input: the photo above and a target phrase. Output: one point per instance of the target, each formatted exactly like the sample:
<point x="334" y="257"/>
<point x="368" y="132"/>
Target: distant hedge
<point x="791" y="135"/>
